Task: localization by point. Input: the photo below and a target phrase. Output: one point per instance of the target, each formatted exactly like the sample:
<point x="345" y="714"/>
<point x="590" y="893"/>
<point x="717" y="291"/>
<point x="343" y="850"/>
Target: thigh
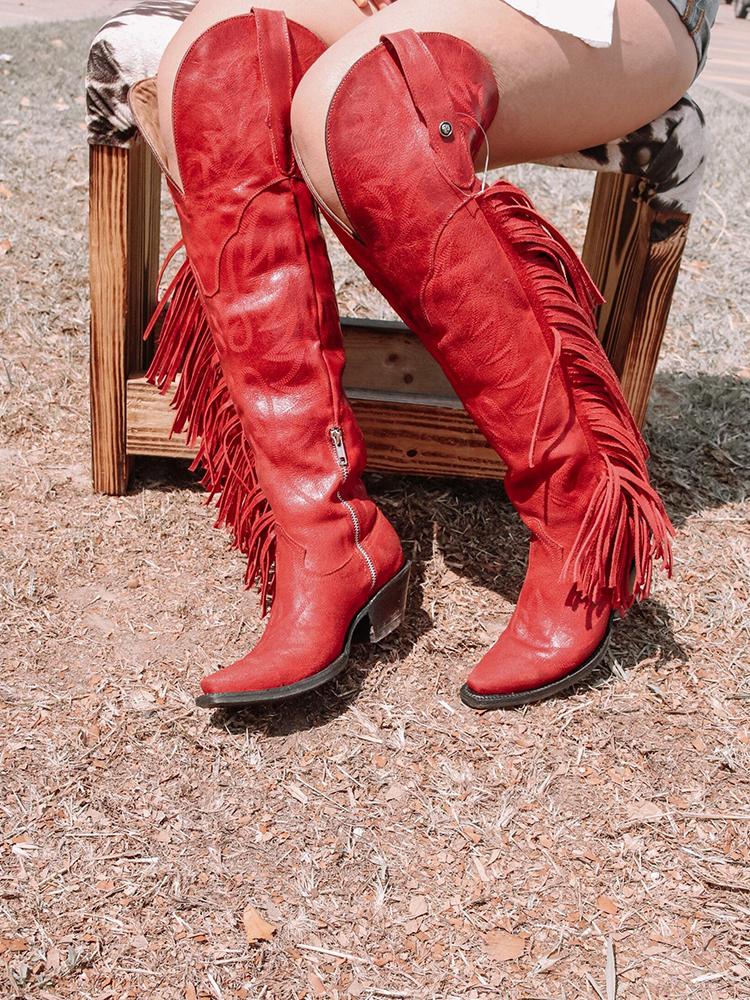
<point x="557" y="94"/>
<point x="329" y="19"/>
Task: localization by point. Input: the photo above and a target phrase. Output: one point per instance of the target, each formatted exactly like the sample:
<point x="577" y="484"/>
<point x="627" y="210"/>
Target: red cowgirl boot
<point x="502" y="302"/>
<point x="262" y="275"/>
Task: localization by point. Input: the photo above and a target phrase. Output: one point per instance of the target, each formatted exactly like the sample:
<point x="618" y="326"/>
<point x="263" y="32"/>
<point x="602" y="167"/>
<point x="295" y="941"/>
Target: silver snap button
<point x="446" y="130"/>
<point x="643" y="156"/>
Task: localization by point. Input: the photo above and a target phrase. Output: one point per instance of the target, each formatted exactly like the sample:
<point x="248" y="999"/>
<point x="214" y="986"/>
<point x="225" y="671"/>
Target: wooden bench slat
<point x="432" y="436"/>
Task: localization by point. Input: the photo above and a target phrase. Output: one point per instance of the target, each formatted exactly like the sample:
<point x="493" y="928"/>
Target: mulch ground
<point x="385" y="840"/>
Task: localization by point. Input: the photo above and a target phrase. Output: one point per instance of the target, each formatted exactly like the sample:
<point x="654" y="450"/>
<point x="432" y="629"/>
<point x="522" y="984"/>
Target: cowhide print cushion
<point x="126" y="49"/>
<point x="668" y="153"/>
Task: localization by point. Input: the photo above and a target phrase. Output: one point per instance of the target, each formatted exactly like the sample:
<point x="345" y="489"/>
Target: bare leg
<point x="557" y="94"/>
<point x="329" y="19"/>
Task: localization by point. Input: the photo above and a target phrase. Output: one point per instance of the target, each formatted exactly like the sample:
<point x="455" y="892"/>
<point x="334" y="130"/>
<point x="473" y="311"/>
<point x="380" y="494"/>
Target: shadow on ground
<point x="700" y="460"/>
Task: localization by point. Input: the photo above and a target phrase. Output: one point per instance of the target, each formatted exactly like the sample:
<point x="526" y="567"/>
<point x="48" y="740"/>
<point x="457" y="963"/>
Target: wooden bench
<point x="645" y="189"/>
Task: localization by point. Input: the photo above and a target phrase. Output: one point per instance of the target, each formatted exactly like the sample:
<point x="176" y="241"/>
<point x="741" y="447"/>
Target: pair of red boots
<point x="495" y="293"/>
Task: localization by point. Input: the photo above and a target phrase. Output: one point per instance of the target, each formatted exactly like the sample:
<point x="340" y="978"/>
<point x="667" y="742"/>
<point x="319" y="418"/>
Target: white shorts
<point x="589" y="20"/>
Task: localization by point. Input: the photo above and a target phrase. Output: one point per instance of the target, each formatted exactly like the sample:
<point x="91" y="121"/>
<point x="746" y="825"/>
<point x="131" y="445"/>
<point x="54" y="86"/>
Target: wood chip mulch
<point x="376" y="839"/>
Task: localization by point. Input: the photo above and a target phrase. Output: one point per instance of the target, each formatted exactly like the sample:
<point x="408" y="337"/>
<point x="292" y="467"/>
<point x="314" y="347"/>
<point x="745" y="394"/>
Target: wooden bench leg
<point x="633" y="253"/>
<point x="124" y="194"/>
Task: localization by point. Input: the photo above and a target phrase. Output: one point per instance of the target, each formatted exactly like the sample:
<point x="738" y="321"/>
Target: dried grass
<point x="400" y="845"/>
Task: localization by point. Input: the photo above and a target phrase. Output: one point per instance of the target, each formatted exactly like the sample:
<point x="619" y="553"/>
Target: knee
<point x="385" y="110"/>
<point x="204" y="15"/>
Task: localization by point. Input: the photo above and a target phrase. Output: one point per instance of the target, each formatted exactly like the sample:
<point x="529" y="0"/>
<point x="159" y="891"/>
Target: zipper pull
<point x="338" y="446"/>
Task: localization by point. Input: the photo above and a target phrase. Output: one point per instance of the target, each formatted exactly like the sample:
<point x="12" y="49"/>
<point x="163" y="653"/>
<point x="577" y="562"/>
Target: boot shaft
<point x="444" y="233"/>
<point x="264" y="280"/>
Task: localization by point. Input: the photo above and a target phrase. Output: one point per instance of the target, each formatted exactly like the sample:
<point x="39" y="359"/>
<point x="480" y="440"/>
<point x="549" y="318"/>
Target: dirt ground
<point x="17" y="12"/>
<point x="398" y="844"/>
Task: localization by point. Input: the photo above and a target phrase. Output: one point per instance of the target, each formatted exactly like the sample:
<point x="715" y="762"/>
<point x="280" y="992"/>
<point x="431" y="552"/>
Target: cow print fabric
<point x="126" y="49"/>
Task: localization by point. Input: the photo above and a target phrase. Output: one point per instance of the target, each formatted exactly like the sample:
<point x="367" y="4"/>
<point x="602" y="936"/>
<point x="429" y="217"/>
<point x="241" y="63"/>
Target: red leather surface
<point x="506" y="309"/>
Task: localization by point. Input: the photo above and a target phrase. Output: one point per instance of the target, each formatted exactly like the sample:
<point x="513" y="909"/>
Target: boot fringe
<point x="626" y="526"/>
<point x="205" y="413"/>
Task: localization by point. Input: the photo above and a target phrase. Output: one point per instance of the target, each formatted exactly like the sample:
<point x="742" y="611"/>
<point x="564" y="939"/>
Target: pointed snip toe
<point x="516" y="698"/>
<point x="382" y="614"/>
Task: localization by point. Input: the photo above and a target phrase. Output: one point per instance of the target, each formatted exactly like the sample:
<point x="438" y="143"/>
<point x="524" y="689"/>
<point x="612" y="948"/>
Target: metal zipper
<point x="337" y="437"/>
<point x="339" y="449"/>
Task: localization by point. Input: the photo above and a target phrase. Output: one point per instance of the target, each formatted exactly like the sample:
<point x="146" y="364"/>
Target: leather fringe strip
<point x="205" y="413"/>
<point x="626" y="526"/>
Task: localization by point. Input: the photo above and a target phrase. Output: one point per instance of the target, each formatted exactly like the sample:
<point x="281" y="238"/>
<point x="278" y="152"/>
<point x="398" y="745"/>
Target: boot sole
<point x="486" y="702"/>
<point x="384" y="611"/>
